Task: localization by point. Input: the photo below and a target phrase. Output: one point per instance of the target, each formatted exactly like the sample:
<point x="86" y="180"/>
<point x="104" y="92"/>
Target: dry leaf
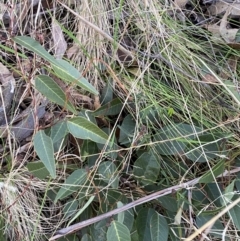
<point x="208" y="78"/>
<point x="71" y="51"/>
<point x="231" y="67"/>
<point x="7" y="91"/>
<point x="25" y="128"/>
<point x="59" y="43"/>
<point x="218" y="8"/>
<point x="221" y="7"/>
<point x="3" y="8"/>
<point x="180" y="3"/>
<point x="229" y="35"/>
<point x="214" y="29"/>
<point x="234" y="45"/>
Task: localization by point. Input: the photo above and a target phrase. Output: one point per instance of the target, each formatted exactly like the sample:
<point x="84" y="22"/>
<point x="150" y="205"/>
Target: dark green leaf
<point x="111" y="108"/>
<point x="209" y="147"/>
<point x="58" y="131"/>
<point x="80" y="127"/>
<point x="86" y="237"/>
<point x="216" y="171"/>
<point x="70" y="208"/>
<point x="44" y="147"/>
<point x="146" y="168"/>
<point x="72" y="184"/>
<point x="128" y="219"/>
<point x="169" y="203"/>
<point x="108" y="173"/>
<point x="37" y="169"/>
<point x="89" y="151"/>
<point x="118" y="232"/>
<point x="173" y="139"/>
<point x="70" y="74"/>
<point x="127" y="130"/>
<point x="36" y="47"/>
<point x="48" y="87"/>
<point x="234" y="213"/>
<point x="112" y="149"/>
<point x="159" y="228"/>
<point x="202" y="219"/>
<point x="99" y="234"/>
<point x="143" y="221"/>
<point x="106" y="93"/>
<point x="87" y="114"/>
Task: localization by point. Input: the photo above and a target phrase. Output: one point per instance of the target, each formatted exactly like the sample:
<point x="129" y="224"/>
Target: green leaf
<point x="62" y="68"/>
<point x="151" y="114"/>
<point x="70" y="74"/>
<point x="87" y="114"/>
<point x="216" y="171"/>
<point x="206" y="147"/>
<point x="232" y="88"/>
<point x="86" y="237"/>
<point x="98" y="234"/>
<point x="229" y="192"/>
<point x="82" y="209"/>
<point x="159" y="228"/>
<point x="70" y="208"/>
<point x="2" y="229"/>
<point x="89" y="151"/>
<point x="69" y="237"/>
<point x="118" y="232"/>
<point x="36" y="47"/>
<point x="48" y="87"/>
<point x="111" y="108"/>
<point x="134" y="233"/>
<point x="127" y="130"/>
<point x="111" y="196"/>
<point x="37" y="169"/>
<point x="146" y="168"/>
<point x="58" y="131"/>
<point x="202" y="219"/>
<point x="44" y="147"/>
<point x="128" y="219"/>
<point x="169" y="203"/>
<point x="173" y="139"/>
<point x="79" y="127"/>
<point x="234" y="213"/>
<point x="72" y="184"/>
<point x="120" y="216"/>
<point x="112" y="149"/>
<point x="108" y="173"/>
<point x="107" y="93"/>
<point x="143" y="221"/>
